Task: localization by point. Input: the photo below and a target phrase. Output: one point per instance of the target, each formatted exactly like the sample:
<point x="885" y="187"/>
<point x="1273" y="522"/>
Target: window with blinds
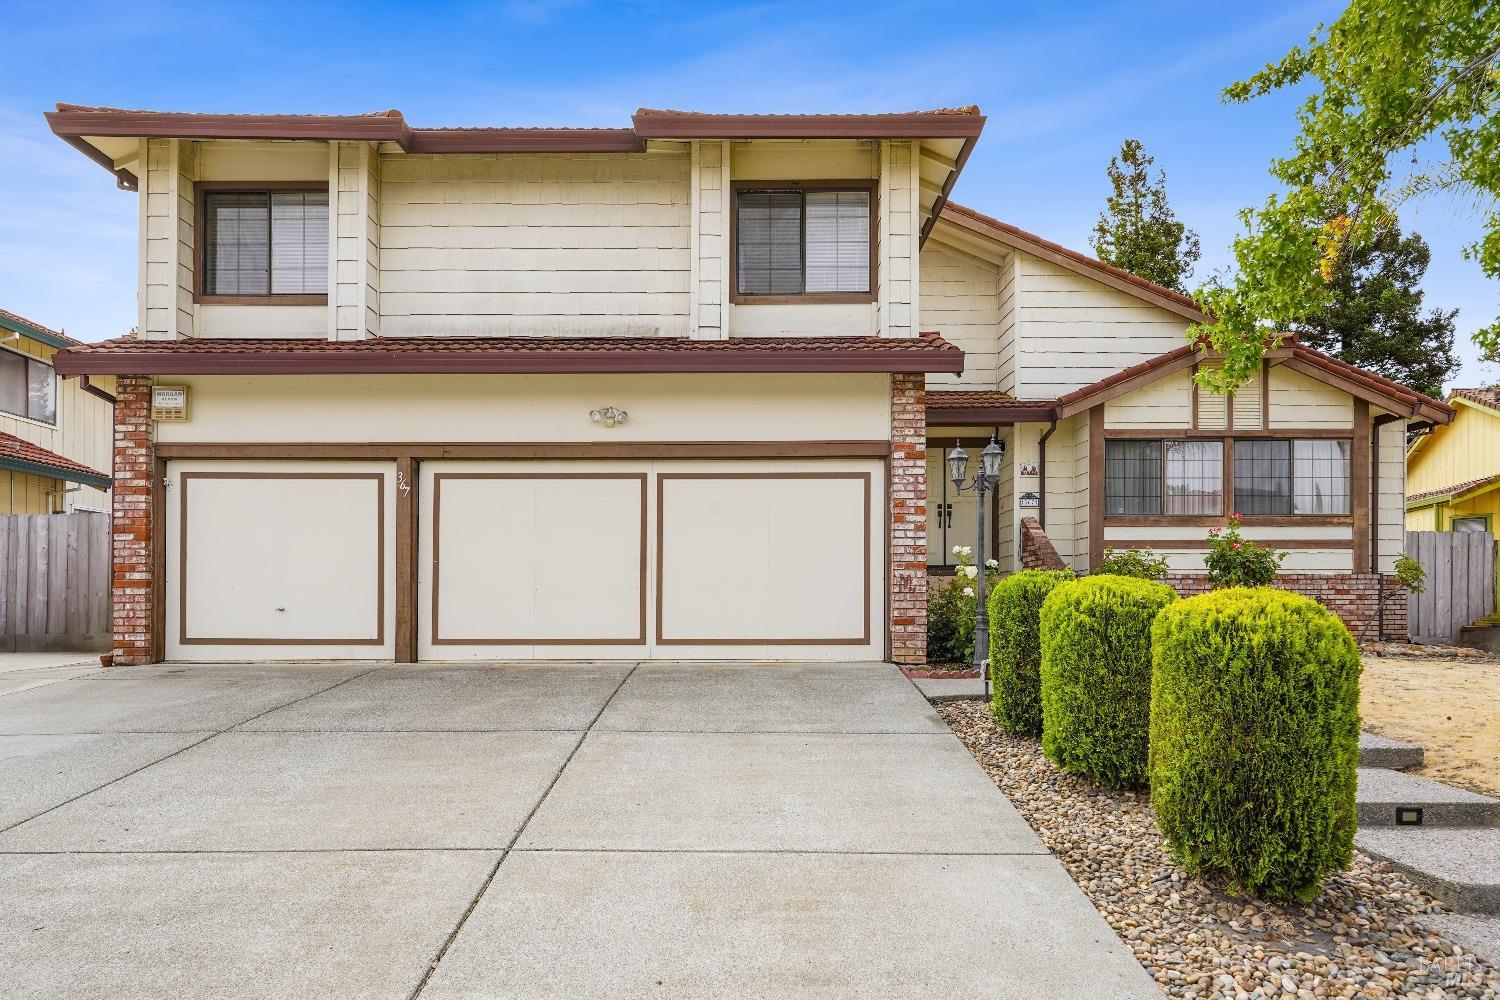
<point x="813" y="242"/>
<point x="265" y="243"/>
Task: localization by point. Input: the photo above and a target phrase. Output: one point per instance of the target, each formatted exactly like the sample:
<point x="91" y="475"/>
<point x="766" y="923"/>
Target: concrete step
<point x="1458" y="866"/>
<point x="1389" y="798"/>
<point x="1475" y="932"/>
<point x="1377" y="751"/>
<point x="949" y="688"/>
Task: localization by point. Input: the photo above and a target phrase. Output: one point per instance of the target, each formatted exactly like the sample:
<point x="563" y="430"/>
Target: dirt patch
<point x="1450" y="707"/>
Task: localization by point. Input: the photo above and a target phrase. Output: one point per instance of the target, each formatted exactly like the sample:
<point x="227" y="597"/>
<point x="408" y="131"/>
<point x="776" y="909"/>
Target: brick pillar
<point x="133" y="525"/>
<point x="908" y="546"/>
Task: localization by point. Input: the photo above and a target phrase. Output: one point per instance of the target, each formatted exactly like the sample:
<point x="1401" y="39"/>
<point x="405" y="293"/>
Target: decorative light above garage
<point x="609" y="416"/>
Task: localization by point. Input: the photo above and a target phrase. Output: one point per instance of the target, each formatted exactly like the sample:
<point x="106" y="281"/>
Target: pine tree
<point x="1374" y="318"/>
<point x="1137" y="230"/>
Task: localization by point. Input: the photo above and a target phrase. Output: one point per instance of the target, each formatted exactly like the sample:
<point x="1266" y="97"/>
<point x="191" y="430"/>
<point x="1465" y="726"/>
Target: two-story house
<point x="55" y="435"/>
<point x="678" y="390"/>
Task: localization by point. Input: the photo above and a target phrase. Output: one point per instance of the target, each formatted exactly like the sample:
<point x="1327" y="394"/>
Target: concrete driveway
<point x="519" y="831"/>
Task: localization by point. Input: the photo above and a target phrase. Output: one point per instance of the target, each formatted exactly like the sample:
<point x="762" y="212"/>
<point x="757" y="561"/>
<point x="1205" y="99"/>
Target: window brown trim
<point x="27" y="361"/>
<point x="869" y="185"/>
<point x="202" y="297"/>
<point x="1226" y="458"/>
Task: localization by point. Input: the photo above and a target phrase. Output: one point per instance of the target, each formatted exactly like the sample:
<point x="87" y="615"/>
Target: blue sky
<point x="1062" y="85"/>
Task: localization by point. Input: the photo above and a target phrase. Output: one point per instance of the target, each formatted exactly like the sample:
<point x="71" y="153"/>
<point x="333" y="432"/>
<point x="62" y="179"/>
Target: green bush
<point x="1255" y="739"/>
<point x="1016" y="647"/>
<point x="944" y="624"/>
<point x="1096" y="676"/>
<point x="1141" y="563"/>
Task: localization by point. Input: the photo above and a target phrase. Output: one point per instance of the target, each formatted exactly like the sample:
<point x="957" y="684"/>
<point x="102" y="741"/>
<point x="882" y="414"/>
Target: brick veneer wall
<point x="1354" y="597"/>
<point x="1037" y="550"/>
<point x="134" y="466"/>
<point x="908" y="513"/>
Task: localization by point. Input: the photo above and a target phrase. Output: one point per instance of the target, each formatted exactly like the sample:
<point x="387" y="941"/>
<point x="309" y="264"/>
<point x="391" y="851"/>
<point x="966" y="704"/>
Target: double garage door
<point x="527" y="560"/>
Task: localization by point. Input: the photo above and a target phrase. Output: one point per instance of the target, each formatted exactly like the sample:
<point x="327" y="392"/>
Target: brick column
<point x="908" y="513"/>
<point x="133" y="521"/>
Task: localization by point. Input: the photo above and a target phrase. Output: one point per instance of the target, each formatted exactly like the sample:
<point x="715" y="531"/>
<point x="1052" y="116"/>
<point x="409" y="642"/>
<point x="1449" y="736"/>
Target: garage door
<point x="279" y="560"/>
<point x="639" y="560"/>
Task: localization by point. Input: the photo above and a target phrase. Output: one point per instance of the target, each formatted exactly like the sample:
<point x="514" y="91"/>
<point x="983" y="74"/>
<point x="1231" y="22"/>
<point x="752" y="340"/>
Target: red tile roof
<point x="984" y="406"/>
<point x="13" y="321"/>
<point x="1452" y="491"/>
<point x="14" y="450"/>
<point x="204" y="355"/>
<point x="1484" y="396"/>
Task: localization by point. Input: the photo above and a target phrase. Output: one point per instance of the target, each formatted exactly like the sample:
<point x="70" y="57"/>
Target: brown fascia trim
<point x="75" y="120"/>
<point x="525" y="140"/>
<point x="1041" y="413"/>
<point x="942" y="199"/>
<point x="978" y="224"/>
<point x="914" y="125"/>
<point x="501" y="363"/>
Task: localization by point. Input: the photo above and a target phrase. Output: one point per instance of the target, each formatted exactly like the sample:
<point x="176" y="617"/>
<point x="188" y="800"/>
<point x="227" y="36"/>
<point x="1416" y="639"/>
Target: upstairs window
<point x="1163" y="477"/>
<point x="813" y="243"/>
<point x="1282" y="477"/>
<point x="265" y="244"/>
<point x="28" y="387"/>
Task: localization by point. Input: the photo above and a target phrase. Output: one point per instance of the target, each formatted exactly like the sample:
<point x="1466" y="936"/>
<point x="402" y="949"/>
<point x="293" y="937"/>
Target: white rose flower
<point x="992" y="563"/>
<point x="972" y="572"/>
<point x="968" y="591"/>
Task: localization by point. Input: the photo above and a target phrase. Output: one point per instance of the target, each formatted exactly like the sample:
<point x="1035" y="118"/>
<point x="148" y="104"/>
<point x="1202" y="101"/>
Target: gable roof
<point x="20" y="455"/>
<point x="35" y="330"/>
<point x="509" y="355"/>
<point x="977" y="223"/>
<point x="1315" y="364"/>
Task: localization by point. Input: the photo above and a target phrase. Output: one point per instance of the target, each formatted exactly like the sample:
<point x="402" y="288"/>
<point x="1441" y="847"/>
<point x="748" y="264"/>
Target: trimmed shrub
<point x="1016" y="647"/>
<point x="944" y="610"/>
<point x="1255" y="739"/>
<point x="1096" y="676"/>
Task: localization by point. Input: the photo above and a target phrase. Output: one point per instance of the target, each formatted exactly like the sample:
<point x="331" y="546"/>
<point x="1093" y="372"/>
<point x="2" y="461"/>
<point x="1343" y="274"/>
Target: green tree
<point x="1397" y="82"/>
<point x="1374" y="317"/>
<point x="1137" y="230"/>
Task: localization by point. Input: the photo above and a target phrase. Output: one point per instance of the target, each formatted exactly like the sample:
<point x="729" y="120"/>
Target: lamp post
<point x="985" y="480"/>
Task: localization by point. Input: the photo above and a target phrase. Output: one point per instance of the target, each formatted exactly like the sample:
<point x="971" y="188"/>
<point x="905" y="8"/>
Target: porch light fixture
<point x="609" y="416"/>
<point x="986" y="479"/>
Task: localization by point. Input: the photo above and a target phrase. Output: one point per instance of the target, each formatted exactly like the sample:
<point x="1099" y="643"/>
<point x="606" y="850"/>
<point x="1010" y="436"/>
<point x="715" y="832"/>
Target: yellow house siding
<point x="83" y="431"/>
<point x="1460" y="452"/>
<point x="24" y="493"/>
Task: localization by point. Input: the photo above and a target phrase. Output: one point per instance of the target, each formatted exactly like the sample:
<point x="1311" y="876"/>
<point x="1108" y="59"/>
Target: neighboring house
<point x="678" y="390"/>
<point x="1453" y="472"/>
<point x="55" y="434"/>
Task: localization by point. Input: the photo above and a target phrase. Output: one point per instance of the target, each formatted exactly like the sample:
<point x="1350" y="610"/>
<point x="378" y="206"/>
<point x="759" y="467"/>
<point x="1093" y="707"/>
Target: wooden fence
<point x="1460" y="586"/>
<point x="54" y="581"/>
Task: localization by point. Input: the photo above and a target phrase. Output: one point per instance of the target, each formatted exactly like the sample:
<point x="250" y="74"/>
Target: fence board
<point x="54" y="580"/>
<point x="1460" y="587"/>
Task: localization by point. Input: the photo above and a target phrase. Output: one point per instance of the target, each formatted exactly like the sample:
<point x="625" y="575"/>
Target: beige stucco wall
<point x="534" y="408"/>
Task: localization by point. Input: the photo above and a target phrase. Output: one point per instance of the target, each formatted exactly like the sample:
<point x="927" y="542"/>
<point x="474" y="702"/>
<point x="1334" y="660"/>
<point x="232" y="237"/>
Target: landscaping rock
<point x="1363" y="936"/>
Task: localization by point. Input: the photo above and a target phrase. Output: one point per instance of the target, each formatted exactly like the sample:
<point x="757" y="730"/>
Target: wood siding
<point x="1073" y="331"/>
<point x="567" y="244"/>
<point x="965" y="299"/>
<point x="1461" y="452"/>
<point x="83" y="432"/>
<point x="354" y="234"/>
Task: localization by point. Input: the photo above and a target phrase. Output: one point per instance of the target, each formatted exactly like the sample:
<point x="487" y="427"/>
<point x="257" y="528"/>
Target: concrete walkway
<point x="505" y="831"/>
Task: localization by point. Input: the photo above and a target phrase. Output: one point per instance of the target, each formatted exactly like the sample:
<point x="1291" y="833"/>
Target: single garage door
<point x="280" y="560"/>
<point x="640" y="560"/>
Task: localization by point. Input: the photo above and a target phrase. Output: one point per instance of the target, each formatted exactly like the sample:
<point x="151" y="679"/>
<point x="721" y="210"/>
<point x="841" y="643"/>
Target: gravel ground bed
<point x="1360" y="938"/>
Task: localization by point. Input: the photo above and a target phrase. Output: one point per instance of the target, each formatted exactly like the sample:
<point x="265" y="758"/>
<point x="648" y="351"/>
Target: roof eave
<point x="1039" y="414"/>
<point x="507" y="363"/>
<point x="901" y="126"/>
<point x="96" y="480"/>
<point x="36" y="333"/>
